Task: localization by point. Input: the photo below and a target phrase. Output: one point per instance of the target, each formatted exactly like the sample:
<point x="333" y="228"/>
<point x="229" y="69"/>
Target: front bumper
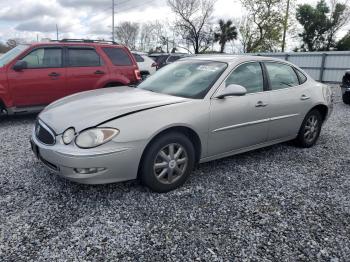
<point x="119" y="164"/>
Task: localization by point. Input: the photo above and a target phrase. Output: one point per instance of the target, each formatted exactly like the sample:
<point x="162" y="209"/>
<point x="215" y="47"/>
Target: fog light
<point x="87" y="171"/>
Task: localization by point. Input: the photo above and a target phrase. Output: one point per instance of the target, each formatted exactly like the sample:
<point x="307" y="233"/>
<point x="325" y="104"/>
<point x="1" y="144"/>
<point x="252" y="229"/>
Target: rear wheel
<point x="167" y="162"/>
<point x="310" y="129"/>
<point x="346" y="98"/>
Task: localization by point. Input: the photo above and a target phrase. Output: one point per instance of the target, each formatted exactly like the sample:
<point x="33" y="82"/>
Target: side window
<point x="173" y="58"/>
<point x="302" y="77"/>
<point x="138" y="58"/>
<point x="281" y="76"/>
<point x="83" y="58"/>
<point x="44" y="58"/>
<point x="248" y="75"/>
<point x="118" y="56"/>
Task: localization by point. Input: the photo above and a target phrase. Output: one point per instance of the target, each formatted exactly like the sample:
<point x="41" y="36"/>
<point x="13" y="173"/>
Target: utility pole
<point x="285" y="26"/>
<point x="113" y="6"/>
<point x="56" y="32"/>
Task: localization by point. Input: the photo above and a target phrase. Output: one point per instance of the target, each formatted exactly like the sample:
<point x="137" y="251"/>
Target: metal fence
<point x="326" y="67"/>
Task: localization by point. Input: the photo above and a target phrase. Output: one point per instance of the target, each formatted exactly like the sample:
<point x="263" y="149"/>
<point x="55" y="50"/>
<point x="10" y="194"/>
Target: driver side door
<point x="239" y="122"/>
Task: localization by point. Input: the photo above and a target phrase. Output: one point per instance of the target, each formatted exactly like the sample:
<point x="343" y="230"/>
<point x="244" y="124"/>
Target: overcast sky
<point x="88" y="18"/>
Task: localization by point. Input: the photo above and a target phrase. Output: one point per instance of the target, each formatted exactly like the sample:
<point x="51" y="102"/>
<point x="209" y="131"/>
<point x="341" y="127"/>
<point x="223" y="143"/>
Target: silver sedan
<point x="193" y="111"/>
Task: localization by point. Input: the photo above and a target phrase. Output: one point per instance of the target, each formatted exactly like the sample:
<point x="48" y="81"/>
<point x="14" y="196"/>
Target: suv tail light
<point x="137" y="75"/>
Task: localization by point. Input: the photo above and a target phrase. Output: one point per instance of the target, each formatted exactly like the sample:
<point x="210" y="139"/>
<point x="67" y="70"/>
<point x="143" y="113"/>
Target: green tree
<point x="225" y="33"/>
<point x="262" y="28"/>
<point x="344" y="43"/>
<point x="321" y="24"/>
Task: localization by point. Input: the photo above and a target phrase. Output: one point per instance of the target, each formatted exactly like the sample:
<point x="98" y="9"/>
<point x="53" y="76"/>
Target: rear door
<point x="123" y="65"/>
<point x="44" y="80"/>
<point x="86" y="70"/>
<point x="289" y="100"/>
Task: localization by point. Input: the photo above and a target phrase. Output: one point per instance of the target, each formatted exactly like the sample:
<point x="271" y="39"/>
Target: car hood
<point x="89" y="109"/>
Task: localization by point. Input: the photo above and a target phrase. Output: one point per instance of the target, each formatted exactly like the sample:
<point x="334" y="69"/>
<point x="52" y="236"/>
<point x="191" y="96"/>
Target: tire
<point x="346" y="98"/>
<point x="163" y="171"/>
<point x="310" y="129"/>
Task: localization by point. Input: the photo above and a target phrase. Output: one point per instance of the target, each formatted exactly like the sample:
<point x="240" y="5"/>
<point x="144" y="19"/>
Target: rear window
<point x="159" y="59"/>
<point x="173" y="58"/>
<point x="138" y="58"/>
<point x="83" y="57"/>
<point x="118" y="56"/>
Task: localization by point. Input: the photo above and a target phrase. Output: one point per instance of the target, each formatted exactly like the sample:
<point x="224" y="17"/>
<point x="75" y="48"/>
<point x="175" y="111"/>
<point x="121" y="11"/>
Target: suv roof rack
<point x="66" y="40"/>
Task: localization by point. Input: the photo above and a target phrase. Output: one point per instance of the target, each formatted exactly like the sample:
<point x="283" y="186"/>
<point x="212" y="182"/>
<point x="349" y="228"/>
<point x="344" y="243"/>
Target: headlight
<point x="95" y="137"/>
<point x="68" y="136"/>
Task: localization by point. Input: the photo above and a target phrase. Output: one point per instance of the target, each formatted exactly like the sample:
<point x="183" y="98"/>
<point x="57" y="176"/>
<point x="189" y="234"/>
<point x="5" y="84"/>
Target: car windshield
<point x="7" y="57"/>
<point x="190" y="79"/>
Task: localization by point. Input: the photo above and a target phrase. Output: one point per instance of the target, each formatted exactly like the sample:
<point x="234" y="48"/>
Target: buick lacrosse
<point x="192" y="111"/>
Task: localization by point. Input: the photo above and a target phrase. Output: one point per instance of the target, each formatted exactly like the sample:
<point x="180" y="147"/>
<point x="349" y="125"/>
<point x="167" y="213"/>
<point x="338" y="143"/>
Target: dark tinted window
<point x="173" y="58"/>
<point x="302" y="77"/>
<point x="83" y="57"/>
<point x="159" y="59"/>
<point x="281" y="76"/>
<point x="248" y="75"/>
<point x="138" y="58"/>
<point x="44" y="58"/>
<point x="118" y="56"/>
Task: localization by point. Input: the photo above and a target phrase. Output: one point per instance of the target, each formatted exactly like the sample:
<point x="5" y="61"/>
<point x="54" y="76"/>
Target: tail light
<point x="137" y="75"/>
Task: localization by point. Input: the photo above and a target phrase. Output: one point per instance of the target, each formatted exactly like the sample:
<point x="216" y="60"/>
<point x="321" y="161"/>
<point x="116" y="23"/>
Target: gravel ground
<point x="276" y="204"/>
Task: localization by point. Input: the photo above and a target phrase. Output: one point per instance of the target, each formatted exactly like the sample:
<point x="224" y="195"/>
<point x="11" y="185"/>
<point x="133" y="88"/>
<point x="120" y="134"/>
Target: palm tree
<point x="226" y="32"/>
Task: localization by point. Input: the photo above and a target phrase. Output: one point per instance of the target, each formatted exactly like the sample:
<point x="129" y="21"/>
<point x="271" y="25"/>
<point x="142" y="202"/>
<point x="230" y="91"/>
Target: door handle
<point x="304" y="97"/>
<point x="261" y="104"/>
<point x="99" y="72"/>
<point x="54" y="74"/>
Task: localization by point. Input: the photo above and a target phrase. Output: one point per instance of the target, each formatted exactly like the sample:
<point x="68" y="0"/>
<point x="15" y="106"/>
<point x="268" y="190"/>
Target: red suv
<point x="32" y="76"/>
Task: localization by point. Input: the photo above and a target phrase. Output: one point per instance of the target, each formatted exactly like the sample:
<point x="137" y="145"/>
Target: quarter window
<point x="138" y="58"/>
<point x="44" y="58"/>
<point x="83" y="58"/>
<point x="118" y="56"/>
<point x="302" y="77"/>
<point x="248" y="75"/>
<point x="281" y="76"/>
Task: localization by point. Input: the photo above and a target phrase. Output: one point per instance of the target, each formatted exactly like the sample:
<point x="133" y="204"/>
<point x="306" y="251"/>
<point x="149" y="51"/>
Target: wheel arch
<point x="185" y="130"/>
<point x="323" y="109"/>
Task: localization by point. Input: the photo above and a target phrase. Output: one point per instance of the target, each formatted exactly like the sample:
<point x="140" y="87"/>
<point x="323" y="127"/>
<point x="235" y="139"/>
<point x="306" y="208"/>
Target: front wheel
<point x="167" y="162"/>
<point x="346" y="98"/>
<point x="310" y="129"/>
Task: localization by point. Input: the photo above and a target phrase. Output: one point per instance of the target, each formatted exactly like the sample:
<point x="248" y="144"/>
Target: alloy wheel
<point x="311" y="128"/>
<point x="170" y="163"/>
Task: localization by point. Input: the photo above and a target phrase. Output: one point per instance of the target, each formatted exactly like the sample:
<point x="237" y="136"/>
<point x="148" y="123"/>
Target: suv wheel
<point x="168" y="162"/>
<point x="310" y="129"/>
<point x="346" y="98"/>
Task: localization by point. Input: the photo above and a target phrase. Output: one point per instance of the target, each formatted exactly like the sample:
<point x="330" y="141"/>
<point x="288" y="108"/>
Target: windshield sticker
<point x="208" y="68"/>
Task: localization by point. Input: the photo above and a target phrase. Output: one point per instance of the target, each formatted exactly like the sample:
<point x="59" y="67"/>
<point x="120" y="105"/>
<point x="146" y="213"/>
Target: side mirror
<point x="232" y="90"/>
<point x="20" y="65"/>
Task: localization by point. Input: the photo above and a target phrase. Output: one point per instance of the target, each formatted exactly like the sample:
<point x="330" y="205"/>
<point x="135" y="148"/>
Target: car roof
<point x="232" y="58"/>
<point x="59" y="43"/>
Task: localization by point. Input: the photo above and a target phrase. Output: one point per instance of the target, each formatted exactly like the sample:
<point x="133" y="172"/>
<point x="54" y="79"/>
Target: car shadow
<point x="18" y="118"/>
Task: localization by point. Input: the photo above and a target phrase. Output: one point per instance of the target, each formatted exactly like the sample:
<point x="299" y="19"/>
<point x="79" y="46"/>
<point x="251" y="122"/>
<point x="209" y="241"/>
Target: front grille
<point x="44" y="134"/>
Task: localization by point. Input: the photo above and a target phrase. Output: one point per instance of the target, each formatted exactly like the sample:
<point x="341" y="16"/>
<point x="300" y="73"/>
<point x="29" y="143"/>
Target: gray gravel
<point x="279" y="203"/>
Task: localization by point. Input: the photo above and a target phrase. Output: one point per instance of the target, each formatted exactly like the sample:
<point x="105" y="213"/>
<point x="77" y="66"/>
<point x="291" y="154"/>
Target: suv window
<point x="302" y="77"/>
<point x="281" y="75"/>
<point x="248" y="75"/>
<point x="44" y="58"/>
<point x="83" y="57"/>
<point x="118" y="56"/>
<point x="138" y="58"/>
<point x="173" y="58"/>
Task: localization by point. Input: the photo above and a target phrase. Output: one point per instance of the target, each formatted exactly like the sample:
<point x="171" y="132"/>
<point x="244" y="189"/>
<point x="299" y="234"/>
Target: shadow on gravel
<point x="18" y="118"/>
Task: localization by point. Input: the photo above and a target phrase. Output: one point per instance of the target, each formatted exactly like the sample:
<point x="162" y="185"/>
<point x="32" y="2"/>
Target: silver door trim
<point x="253" y="123"/>
<point x="241" y="125"/>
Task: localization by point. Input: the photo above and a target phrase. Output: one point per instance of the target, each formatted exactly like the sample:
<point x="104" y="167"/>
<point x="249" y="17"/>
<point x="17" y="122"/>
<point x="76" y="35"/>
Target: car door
<point x="240" y="121"/>
<point x="43" y="81"/>
<point x="85" y="69"/>
<point x="289" y="100"/>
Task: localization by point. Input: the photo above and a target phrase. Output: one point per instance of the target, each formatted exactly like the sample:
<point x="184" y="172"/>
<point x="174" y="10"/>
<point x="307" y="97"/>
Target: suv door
<point x="240" y="121"/>
<point x="289" y="100"/>
<point x="85" y="69"/>
<point x="44" y="80"/>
